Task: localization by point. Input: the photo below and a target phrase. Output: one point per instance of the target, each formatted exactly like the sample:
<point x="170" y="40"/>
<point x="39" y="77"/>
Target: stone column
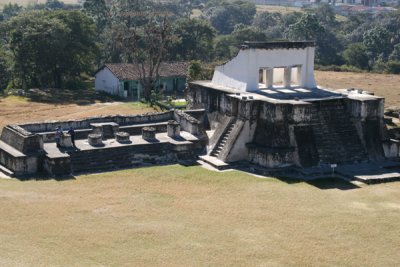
<point x="268" y="77"/>
<point x="95" y="139"/>
<point x="269" y="82"/>
<point x="287" y="77"/>
<point x="173" y="129"/>
<point x="149" y="133"/>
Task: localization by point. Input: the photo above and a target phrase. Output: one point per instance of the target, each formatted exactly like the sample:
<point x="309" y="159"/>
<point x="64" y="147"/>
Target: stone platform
<point x="372" y="173"/>
<point x="102" y="143"/>
<point x="116" y="155"/>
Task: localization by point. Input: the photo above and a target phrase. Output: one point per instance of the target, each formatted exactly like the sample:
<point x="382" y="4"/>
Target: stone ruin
<point x="262" y="108"/>
<point x="103" y="143"/>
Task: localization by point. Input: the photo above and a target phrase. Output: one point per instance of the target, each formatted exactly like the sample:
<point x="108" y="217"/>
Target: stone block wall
<point x="21" y="140"/>
<point x="122" y="120"/>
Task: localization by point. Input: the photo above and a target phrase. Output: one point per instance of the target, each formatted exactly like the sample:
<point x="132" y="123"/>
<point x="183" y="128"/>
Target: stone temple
<point x="263" y="108"/>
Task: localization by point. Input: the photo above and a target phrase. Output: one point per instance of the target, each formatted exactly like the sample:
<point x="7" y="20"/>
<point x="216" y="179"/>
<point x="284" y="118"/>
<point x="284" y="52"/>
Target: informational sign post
<point x="333" y="166"/>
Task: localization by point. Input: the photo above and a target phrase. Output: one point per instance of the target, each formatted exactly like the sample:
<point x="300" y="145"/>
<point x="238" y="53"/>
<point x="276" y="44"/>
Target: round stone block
<point x="122" y="137"/>
<point x="149" y="133"/>
<point x="95" y="139"/>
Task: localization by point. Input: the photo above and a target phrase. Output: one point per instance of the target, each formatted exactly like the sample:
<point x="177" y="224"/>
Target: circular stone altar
<point x="149" y="133"/>
<point x="95" y="139"/>
<point x="122" y="137"/>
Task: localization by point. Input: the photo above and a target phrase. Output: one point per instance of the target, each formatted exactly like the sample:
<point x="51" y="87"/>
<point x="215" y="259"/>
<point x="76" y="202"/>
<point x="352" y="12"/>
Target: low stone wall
<point x="25" y="142"/>
<point x="366" y="109"/>
<point x="131" y="129"/>
<point x="394" y="133"/>
<point x="122" y="120"/>
<point x="188" y="123"/>
<point x="290" y="113"/>
<point x="271" y="157"/>
<point x="57" y="166"/>
<point x="19" y="165"/>
<point x="391" y="149"/>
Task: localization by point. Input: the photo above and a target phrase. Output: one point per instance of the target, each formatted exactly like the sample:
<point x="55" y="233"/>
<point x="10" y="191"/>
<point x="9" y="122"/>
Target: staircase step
<point x="6" y="171"/>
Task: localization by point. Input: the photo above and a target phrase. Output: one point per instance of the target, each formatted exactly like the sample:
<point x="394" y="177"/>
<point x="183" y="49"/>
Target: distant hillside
<point x="27" y="2"/>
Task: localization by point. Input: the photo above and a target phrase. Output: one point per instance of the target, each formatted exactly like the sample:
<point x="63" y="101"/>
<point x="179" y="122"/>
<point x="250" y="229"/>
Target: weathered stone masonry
<point x="27" y="149"/>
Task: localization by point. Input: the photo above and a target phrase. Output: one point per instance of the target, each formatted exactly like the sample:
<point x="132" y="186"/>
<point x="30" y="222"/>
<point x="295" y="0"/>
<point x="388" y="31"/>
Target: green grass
<point x="137" y="104"/>
<point x="189" y="216"/>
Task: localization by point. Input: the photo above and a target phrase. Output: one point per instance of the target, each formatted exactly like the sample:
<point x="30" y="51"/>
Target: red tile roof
<point x="128" y="72"/>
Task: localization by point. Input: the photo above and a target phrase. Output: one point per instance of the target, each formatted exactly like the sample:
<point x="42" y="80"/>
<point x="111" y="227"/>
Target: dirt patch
<point x="386" y="85"/>
<point x="15" y="110"/>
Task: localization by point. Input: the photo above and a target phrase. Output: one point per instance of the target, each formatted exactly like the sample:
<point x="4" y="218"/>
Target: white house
<point x="123" y="79"/>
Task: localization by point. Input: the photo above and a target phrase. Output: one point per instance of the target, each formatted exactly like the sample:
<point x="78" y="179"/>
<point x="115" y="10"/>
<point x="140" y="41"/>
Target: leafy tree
<point x="266" y="20"/>
<point x="4" y="71"/>
<point x="377" y="42"/>
<point x="225" y="15"/>
<point x="395" y="55"/>
<point x="356" y="55"/>
<point x="11" y="10"/>
<point x="186" y="6"/>
<point x="99" y="11"/>
<point x="199" y="71"/>
<point x="228" y="46"/>
<point x="50" y="47"/>
<point x="326" y="15"/>
<point x="392" y="67"/>
<point x="194" y="38"/>
<point x="327" y="45"/>
<point x="143" y="29"/>
<point x="223" y="49"/>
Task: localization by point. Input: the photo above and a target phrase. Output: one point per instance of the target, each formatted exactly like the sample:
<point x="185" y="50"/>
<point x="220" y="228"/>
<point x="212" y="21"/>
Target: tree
<point x="225" y="15"/>
<point x="50" y="48"/>
<point x="395" y="55"/>
<point x="11" y="10"/>
<point x="186" y="6"/>
<point x="377" y="42"/>
<point x="194" y="39"/>
<point x="4" y="71"/>
<point x="228" y="46"/>
<point x="308" y="29"/>
<point x="356" y="55"/>
<point x="100" y="12"/>
<point x="144" y="32"/>
<point x="266" y="20"/>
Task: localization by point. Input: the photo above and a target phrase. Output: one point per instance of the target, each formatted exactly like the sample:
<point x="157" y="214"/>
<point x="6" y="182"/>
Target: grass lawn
<point x="189" y="216"/>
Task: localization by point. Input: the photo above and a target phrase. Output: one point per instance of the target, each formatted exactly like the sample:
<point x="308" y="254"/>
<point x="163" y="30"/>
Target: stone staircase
<point x="336" y="137"/>
<point x="222" y="141"/>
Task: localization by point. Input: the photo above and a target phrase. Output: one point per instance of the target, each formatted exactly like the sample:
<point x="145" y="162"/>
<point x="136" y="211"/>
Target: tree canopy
<point x="50" y="48"/>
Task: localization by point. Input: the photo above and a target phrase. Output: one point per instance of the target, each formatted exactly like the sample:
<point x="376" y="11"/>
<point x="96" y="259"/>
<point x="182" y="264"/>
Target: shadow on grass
<point x="332" y="183"/>
<point x="292" y="176"/>
<point x="45" y="177"/>
<point x="82" y="97"/>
